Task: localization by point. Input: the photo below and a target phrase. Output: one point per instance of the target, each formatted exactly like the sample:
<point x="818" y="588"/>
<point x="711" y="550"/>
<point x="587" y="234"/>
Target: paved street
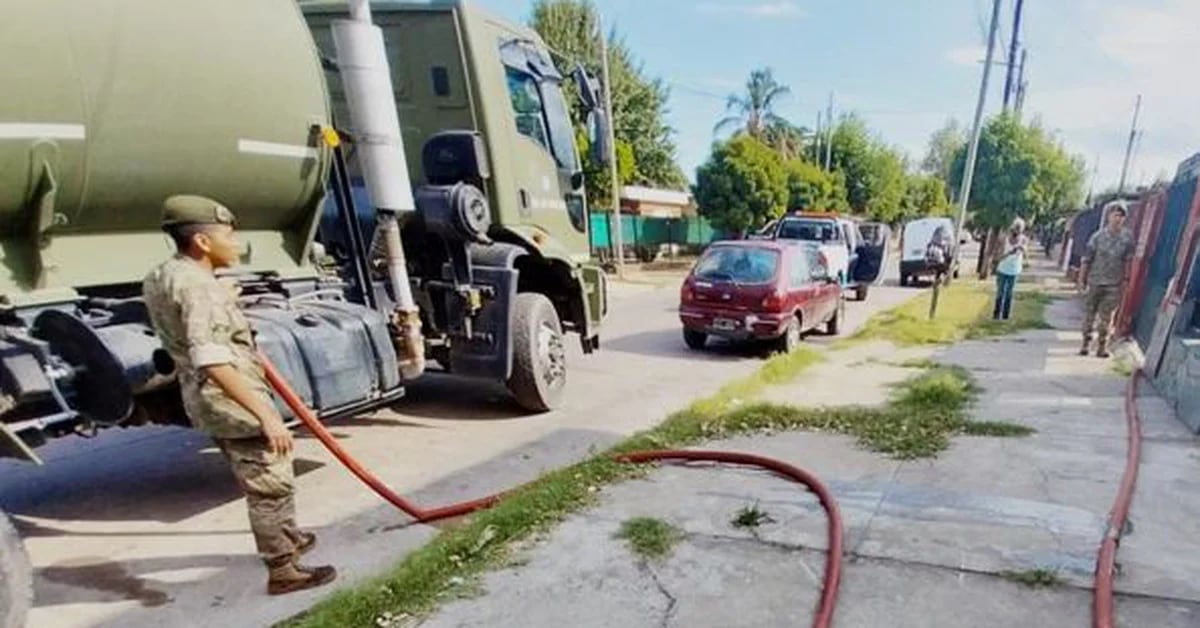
<point x="146" y="527"/>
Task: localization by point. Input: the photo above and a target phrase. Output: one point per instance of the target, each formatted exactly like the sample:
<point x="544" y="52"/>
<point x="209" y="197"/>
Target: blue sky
<point x="907" y="66"/>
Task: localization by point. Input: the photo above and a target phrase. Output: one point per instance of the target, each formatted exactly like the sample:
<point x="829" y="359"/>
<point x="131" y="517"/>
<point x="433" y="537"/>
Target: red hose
<point x="1102" y="601"/>
<point x="833" y="556"/>
<point x="833" y="561"/>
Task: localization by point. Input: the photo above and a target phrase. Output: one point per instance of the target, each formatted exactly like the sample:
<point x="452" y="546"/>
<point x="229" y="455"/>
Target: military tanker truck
<point x="111" y="106"/>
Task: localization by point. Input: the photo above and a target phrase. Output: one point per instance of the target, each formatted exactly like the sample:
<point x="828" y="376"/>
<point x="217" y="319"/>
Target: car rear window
<point x="738" y="264"/>
<point x="811" y="230"/>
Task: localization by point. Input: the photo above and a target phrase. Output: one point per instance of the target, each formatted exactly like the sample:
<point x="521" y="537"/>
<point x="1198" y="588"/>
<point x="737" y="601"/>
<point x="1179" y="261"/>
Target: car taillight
<point x="686" y="295"/>
<point x="773" y="302"/>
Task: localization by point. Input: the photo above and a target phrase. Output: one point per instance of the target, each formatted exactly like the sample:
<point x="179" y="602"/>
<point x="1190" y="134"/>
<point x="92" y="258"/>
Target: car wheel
<point x="903" y="280"/>
<point x="834" y="325"/>
<point x="790" y="340"/>
<point x="539" y="373"/>
<point x="694" y="339"/>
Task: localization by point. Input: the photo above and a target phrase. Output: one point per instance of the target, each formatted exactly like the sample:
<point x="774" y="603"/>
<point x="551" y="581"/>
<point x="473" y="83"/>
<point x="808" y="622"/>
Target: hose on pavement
<point x="1102" y="598"/>
<point x="833" y="560"/>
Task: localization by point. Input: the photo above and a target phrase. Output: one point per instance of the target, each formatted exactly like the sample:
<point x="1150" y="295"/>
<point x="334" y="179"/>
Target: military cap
<point x="191" y="209"/>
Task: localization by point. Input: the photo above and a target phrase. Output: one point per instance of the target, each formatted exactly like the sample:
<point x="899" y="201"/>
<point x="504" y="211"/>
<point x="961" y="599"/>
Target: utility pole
<point x="1012" y="54"/>
<point x="1129" y="147"/>
<point x="1092" y="183"/>
<point x="1022" y="84"/>
<point x="817" y="140"/>
<point x="964" y="194"/>
<point x="615" y="232"/>
<point x="829" y="134"/>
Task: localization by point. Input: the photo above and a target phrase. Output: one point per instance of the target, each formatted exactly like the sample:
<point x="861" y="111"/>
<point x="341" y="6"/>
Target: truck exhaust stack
<point x="363" y="66"/>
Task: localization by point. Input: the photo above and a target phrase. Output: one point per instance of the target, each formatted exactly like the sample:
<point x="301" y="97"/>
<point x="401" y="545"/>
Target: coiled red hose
<point x="1102" y="599"/>
<point x="833" y="560"/>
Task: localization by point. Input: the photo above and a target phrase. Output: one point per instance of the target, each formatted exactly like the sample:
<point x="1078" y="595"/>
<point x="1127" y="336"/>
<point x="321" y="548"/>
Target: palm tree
<point x="755" y="109"/>
<point x="787" y="139"/>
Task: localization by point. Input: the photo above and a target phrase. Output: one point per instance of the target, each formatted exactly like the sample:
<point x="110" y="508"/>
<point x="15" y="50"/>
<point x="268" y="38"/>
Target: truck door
<point x="872" y="255"/>
<point x="544" y="152"/>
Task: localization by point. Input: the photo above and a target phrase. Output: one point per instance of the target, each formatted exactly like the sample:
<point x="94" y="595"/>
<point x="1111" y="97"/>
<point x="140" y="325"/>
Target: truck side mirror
<point x="588" y="90"/>
<point x="598" y="130"/>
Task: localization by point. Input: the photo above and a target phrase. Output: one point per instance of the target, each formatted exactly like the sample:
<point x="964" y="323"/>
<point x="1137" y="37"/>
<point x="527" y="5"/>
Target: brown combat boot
<point x="291" y="577"/>
<point x="1102" y="349"/>
<point x="1087" y="344"/>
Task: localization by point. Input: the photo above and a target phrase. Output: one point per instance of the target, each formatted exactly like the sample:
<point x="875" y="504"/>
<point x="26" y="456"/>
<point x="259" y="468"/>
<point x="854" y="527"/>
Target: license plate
<point x="724" y="324"/>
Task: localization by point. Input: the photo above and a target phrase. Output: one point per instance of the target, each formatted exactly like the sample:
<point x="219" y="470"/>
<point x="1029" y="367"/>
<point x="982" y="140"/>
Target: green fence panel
<point x="652" y="232"/>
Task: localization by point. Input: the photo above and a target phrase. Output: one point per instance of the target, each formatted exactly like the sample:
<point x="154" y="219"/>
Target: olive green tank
<point x="110" y="106"/>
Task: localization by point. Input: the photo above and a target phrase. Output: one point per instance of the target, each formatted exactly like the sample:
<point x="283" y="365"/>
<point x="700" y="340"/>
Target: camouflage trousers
<point x="1098" y="308"/>
<point x="268" y="481"/>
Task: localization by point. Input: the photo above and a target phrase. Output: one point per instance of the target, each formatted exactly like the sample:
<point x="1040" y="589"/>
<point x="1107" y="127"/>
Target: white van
<point x="914" y="239"/>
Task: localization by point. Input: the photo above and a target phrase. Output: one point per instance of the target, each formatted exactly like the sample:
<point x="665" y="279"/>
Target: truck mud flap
<point x="488" y="353"/>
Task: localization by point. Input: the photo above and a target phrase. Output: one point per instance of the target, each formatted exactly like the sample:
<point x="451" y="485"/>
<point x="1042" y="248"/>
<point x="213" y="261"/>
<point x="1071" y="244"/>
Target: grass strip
<point x="964" y="312"/>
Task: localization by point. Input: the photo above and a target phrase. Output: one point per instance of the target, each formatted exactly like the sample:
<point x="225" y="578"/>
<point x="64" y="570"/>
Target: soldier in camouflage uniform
<point x="1103" y="276"/>
<point x="223" y="385"/>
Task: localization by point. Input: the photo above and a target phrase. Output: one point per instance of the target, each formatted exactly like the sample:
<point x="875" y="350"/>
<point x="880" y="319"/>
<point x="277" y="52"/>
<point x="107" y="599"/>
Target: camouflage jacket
<point x="199" y="323"/>
<point x="1106" y="256"/>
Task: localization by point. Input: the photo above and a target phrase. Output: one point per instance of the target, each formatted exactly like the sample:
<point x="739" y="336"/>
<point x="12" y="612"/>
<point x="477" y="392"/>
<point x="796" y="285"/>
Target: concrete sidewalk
<point x="928" y="541"/>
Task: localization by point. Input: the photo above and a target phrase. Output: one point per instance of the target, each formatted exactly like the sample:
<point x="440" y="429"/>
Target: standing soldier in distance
<point x="223" y="385"/>
<point x="1104" y="272"/>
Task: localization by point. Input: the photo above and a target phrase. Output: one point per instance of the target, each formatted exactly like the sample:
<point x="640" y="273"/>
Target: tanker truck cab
<point x="498" y="248"/>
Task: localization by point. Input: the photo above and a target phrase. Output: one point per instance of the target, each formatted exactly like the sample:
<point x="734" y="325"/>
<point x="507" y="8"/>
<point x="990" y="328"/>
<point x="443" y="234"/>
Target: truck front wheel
<point x="16" y="577"/>
<point x="539" y="373"/>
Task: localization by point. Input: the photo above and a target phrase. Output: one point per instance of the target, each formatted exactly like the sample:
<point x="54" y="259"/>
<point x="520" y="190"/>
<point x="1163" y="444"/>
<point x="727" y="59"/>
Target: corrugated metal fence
<point x="1163" y="261"/>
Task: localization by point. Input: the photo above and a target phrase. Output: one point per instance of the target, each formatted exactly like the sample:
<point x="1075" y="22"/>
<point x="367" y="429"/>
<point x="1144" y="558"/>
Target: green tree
<point x="943" y="146"/>
<point x="925" y="195"/>
<point x="1019" y="172"/>
<point x="875" y="173"/>
<point x="639" y="103"/>
<point x="742" y="185"/>
<point x="811" y="188"/>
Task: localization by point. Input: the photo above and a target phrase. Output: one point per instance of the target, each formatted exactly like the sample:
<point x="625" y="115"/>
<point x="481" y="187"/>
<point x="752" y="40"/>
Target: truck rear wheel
<point x="539" y="354"/>
<point x="16" y="577"/>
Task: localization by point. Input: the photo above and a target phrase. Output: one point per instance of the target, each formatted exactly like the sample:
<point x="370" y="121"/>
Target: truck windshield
<point x="541" y="115"/>
<point x="809" y="230"/>
<point x="737" y="264"/>
<point x="562" y="133"/>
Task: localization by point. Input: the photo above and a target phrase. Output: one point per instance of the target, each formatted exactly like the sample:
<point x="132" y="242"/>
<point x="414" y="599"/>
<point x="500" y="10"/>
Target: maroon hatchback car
<point x="759" y="290"/>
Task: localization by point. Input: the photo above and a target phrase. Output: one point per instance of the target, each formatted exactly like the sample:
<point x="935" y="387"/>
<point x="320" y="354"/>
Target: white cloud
<point x="769" y="8"/>
<point x="1147" y="51"/>
<point x="968" y="55"/>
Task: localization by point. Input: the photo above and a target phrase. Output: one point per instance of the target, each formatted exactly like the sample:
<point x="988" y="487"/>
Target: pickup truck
<point x="853" y="261"/>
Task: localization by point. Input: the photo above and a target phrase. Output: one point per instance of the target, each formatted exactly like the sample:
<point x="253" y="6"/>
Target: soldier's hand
<point x="278" y="435"/>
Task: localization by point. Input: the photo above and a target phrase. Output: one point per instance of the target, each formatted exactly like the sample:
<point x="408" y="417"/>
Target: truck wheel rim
<point x="551" y="355"/>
